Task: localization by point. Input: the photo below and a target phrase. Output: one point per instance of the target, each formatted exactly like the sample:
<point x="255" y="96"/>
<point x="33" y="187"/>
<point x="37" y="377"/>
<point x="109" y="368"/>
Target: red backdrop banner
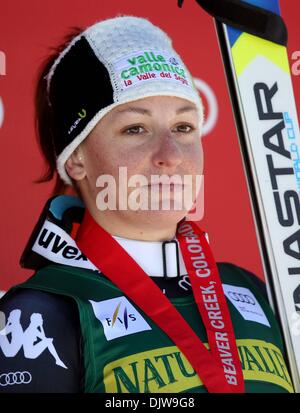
<point x="28" y="29"/>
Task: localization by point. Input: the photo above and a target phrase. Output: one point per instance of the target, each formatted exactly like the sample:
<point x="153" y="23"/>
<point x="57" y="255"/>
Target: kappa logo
<point x="246" y="303"/>
<point x="32" y="340"/>
<point x="118" y="317"/>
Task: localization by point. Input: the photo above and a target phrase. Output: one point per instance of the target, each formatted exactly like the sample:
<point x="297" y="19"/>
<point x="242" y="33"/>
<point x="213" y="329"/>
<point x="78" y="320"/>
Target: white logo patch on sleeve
<point x="118" y="317"/>
<point x="246" y="304"/>
<point x="32" y="341"/>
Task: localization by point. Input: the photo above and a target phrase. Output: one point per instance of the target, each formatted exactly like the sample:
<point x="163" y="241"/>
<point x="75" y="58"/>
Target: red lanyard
<point x="211" y="301"/>
<point x="219" y="369"/>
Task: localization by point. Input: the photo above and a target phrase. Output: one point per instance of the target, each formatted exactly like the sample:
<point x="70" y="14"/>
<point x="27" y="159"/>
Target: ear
<point x="75" y="165"/>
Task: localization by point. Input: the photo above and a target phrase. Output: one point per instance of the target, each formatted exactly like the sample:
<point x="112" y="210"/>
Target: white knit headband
<point x="113" y="62"/>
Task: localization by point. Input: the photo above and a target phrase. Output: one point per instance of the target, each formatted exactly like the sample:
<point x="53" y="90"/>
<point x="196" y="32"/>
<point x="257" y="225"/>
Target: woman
<point x="126" y="290"/>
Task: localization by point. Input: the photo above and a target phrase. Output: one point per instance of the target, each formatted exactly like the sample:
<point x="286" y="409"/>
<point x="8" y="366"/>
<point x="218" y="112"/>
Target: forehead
<point x="153" y="104"/>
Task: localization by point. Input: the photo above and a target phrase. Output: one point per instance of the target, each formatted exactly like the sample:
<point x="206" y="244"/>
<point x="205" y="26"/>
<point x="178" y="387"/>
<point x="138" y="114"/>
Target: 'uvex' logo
<point x="57" y="245"/>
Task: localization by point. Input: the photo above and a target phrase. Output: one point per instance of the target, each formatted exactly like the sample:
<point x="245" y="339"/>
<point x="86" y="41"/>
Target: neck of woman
<point x="138" y="229"/>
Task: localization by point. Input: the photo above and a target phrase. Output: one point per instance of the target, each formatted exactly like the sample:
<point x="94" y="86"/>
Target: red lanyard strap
<point x="118" y="266"/>
<point x="210" y="298"/>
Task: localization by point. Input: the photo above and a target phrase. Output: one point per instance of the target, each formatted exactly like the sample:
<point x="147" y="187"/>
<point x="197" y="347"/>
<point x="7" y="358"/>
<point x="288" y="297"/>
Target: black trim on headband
<point x="79" y="88"/>
<point x="248" y="18"/>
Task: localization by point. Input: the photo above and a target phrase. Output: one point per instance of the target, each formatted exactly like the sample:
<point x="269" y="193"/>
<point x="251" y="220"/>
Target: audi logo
<point x="242" y="298"/>
<point x="19" y="377"/>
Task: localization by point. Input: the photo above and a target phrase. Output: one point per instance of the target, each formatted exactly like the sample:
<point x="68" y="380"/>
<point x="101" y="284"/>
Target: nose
<point x="168" y="152"/>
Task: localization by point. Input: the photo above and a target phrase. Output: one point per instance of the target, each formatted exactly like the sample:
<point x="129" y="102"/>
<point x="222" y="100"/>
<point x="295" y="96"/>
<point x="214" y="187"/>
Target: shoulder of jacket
<point x="230" y="271"/>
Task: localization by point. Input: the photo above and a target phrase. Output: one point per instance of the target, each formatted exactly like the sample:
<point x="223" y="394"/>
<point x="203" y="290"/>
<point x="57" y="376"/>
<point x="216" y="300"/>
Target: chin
<point x="159" y="218"/>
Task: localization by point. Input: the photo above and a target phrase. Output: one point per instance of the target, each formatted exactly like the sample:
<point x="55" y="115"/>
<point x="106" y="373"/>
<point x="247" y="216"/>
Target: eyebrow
<point x="133" y="109"/>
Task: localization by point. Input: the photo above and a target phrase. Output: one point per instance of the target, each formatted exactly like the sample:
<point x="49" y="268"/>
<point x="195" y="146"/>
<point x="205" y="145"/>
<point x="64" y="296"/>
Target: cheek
<point x="107" y="160"/>
<point x="134" y="158"/>
<point x="98" y="161"/>
<point x="193" y="159"/>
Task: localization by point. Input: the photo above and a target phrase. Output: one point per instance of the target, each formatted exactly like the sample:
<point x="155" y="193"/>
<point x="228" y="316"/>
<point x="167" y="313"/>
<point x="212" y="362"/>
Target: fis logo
<point x="118" y="317"/>
<point x="123" y="319"/>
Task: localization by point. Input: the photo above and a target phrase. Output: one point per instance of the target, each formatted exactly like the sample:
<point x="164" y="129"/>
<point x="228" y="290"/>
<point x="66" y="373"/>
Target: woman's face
<point x="153" y="136"/>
